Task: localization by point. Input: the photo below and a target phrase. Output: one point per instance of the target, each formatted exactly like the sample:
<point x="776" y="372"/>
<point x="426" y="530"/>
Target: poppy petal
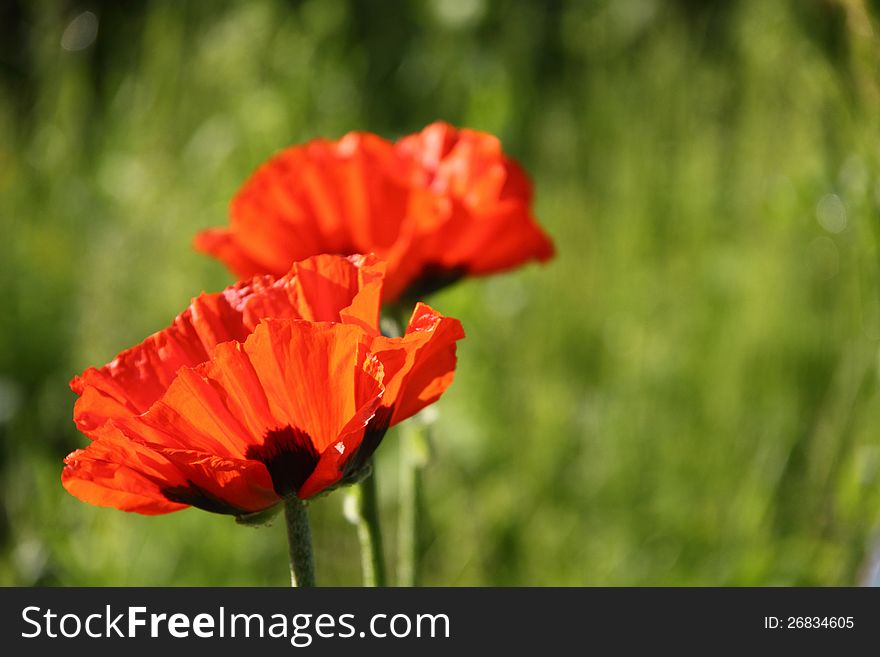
<point x="181" y="476"/>
<point x="499" y="240"/>
<point x="198" y="413"/>
<point x="488" y="225"/>
<point x="436" y="205"/>
<point x="306" y="368"/>
<point x="334" y="460"/>
<point x="226" y="406"/>
<point x="321" y="197"/>
<point x="118" y="473"/>
<point x="279" y="413"/>
<point x="322" y="288"/>
<point x="419" y="366"/>
<point x="221" y="243"/>
<point x="340" y="289"/>
<point x="220" y="485"/>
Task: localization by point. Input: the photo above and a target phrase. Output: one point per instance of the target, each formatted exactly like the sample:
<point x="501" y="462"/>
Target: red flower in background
<point x="269" y="388"/>
<point x="437" y="205"/>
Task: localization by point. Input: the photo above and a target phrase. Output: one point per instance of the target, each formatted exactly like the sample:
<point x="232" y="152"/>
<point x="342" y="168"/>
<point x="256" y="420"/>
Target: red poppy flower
<point x="323" y="288"/>
<point x="274" y="407"/>
<point x="437" y="205"/>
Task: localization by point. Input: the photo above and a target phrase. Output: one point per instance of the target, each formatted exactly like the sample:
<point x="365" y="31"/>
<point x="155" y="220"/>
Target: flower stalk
<point x="413" y="458"/>
<point x="362" y="510"/>
<point x="299" y="542"/>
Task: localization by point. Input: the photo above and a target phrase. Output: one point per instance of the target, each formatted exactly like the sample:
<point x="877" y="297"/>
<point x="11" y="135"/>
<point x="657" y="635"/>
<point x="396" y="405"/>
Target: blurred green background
<point x="688" y="394"/>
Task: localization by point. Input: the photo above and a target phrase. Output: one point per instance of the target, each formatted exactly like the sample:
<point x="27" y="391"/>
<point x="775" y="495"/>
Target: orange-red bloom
<point x="269" y="388"/>
<point x="437" y="205"/>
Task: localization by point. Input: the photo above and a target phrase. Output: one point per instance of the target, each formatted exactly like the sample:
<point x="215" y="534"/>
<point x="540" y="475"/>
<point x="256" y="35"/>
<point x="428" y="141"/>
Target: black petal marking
<point x="290" y="457"/>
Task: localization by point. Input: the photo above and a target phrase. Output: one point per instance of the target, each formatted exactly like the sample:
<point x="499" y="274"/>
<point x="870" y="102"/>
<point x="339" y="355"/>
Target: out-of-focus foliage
<point x="686" y="395"/>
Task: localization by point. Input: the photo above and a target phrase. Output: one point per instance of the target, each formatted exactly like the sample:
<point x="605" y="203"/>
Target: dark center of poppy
<point x="290" y="457"/>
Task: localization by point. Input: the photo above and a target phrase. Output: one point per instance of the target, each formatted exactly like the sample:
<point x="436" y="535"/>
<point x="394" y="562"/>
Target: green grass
<point x="686" y="395"/>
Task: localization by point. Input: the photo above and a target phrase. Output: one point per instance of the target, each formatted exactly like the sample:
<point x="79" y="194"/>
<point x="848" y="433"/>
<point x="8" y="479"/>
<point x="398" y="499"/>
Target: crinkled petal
<point x="420" y="365"/>
<point x="321" y="197"/>
<point x="322" y="288"/>
<point x="314" y="377"/>
<point x="436" y="205"/>
<point x="122" y="469"/>
<point x="116" y="472"/>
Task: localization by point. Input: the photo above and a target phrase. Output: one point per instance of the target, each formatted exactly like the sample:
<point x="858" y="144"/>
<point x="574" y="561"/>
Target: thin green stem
<point x="362" y="510"/>
<point x="413" y="456"/>
<point x="299" y="542"/>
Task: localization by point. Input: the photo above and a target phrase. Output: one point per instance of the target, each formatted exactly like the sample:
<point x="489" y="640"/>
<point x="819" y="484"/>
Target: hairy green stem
<point x="299" y="543"/>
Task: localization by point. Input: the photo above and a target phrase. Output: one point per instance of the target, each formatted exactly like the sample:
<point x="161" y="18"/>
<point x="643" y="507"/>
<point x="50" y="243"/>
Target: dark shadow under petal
<point x="373" y="435"/>
<point x="432" y="278"/>
<point x="200" y="498"/>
